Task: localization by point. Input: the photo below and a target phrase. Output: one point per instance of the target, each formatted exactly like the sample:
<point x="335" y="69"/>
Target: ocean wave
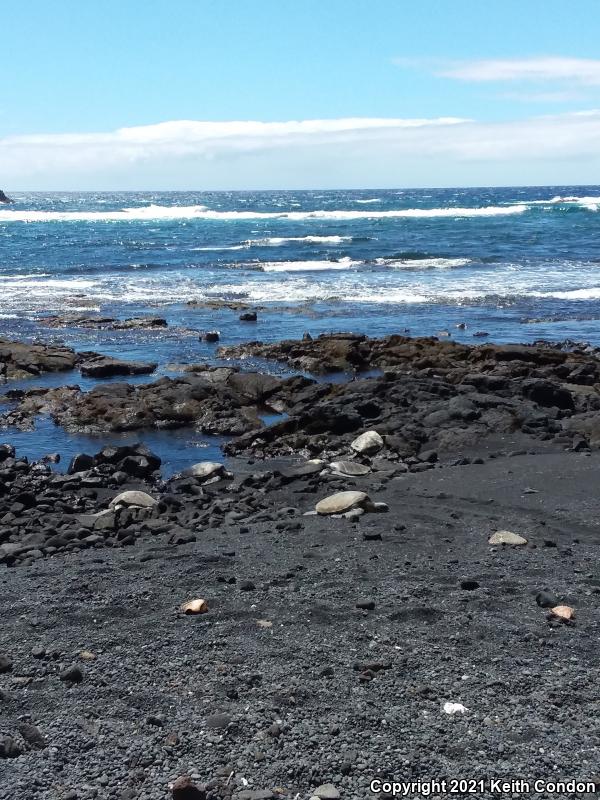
<point x="308" y="266"/>
<point x="589" y="203"/>
<point x="151" y="212"/>
<point x="275" y="241"/>
<point x="220" y="248"/>
<point x="423" y="263"/>
<point x="370" y="200"/>
<point x="170" y="213"/>
<point x="592" y="293"/>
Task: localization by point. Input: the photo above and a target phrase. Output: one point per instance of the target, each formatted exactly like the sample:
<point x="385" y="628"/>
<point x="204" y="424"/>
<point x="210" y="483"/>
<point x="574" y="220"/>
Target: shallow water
<point x="517" y="263"/>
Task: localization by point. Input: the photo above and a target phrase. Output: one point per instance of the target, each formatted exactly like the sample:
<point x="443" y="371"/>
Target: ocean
<point x="516" y="264"/>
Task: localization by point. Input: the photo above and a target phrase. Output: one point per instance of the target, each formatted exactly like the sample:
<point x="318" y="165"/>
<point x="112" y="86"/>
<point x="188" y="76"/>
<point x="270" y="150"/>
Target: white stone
<point x="507" y="537"/>
<point x="341" y="502"/>
<point x="366" y="443"/>
<point x="455" y="708"/>
<point x="133" y="498"/>
<point x="327" y="791"/>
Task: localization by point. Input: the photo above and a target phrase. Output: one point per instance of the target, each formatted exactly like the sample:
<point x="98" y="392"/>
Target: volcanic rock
<point x="106" y="367"/>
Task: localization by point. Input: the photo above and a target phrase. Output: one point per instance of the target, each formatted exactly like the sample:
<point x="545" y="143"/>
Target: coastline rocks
<point x="248" y="316"/>
<point x="367" y="443"/>
<point x="342" y="502"/>
<point x="508" y="538"/>
<point x="216" y="402"/>
<point x="98" y="322"/>
<point x="4" y="198"/>
<point x="211" y="336"/>
<point x="21" y="360"/>
<point x="106" y="367"/>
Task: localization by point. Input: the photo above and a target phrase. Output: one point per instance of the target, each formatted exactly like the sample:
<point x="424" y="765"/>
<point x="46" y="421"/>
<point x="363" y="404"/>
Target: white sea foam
<point x="169" y="213"/>
<point x="593" y="293"/>
<point x="423" y="263"/>
<point x="308" y="266"/>
<point x="370" y="200"/>
<point x="276" y="241"/>
<point x="151" y="212"/>
<point x="589" y="203"/>
<point x="220" y="248"/>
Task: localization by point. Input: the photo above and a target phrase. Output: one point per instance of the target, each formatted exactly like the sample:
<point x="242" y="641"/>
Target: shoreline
<point x="332" y="641"/>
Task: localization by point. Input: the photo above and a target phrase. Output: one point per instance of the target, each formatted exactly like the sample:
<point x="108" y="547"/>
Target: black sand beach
<point x="331" y="644"/>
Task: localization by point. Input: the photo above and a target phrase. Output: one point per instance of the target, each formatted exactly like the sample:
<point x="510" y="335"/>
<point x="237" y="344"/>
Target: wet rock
<point x="248" y="316"/>
<point x="81" y="462"/>
<point x="106" y="367"/>
<point x="211" y="336"/>
<point x="4" y="198"/>
<point x="23" y="360"/>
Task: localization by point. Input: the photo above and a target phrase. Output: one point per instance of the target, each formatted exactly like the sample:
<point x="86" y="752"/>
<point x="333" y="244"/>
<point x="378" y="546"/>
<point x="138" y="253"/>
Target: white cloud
<point x="311" y="153"/>
<point x="584" y="71"/>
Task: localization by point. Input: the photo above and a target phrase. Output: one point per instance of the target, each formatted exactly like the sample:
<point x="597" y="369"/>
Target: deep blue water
<point x="519" y="263"/>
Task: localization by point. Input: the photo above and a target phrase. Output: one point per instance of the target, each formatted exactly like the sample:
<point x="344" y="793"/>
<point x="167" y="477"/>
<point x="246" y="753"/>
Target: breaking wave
<point x="308" y="266"/>
<point x="169" y="213"/>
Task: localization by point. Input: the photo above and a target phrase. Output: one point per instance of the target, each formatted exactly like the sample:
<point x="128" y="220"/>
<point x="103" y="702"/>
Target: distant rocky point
<point x="4" y="198"/>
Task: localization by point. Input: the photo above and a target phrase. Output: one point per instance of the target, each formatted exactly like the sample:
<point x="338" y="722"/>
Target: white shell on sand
<point x="341" y="502"/>
<point x="369" y="442"/>
<point x="507" y="537"/>
<point x="350" y="468"/>
<point x="133" y="498"/>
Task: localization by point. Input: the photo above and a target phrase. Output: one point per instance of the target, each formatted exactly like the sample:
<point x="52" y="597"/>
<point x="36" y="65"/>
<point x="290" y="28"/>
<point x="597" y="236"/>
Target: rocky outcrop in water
<point x="22" y="360"/>
<point x="4" y="198"/>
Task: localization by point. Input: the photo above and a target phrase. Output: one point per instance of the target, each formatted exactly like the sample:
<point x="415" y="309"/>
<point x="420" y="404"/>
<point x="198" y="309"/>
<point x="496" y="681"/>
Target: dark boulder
<point x="80" y="462"/>
<point x="548" y="394"/>
<point x="106" y="367"/>
<point x="4" y="198"/>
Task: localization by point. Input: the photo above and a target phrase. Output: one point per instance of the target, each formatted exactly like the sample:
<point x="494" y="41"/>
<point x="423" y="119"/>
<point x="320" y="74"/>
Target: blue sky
<point x="519" y="80"/>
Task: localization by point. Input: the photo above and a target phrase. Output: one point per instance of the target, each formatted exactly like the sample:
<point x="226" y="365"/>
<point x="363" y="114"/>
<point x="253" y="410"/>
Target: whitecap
<point x="307" y="266"/>
<point x="423" y="263"/>
<point x="170" y="213"/>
